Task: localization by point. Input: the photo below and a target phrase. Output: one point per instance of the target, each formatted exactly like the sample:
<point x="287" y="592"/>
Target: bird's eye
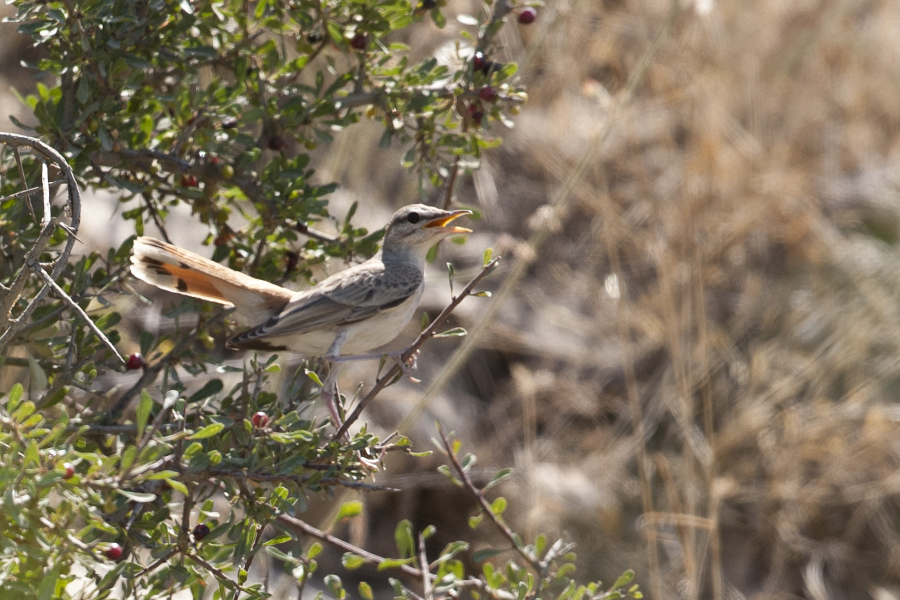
<point x="413" y="217"/>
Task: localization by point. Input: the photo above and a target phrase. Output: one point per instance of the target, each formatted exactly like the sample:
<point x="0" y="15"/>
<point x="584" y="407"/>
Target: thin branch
<point x="428" y="333"/>
<point x="45" y="185"/>
<point x="427" y="590"/>
<point x="62" y="295"/>
<point x="24" y="182"/>
<point x="298" y="479"/>
<point x="220" y="575"/>
<point x="30" y="191"/>
<point x="486" y="507"/>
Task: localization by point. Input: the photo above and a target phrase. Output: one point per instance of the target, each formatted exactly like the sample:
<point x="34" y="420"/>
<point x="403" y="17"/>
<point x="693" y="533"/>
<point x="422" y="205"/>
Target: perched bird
<point x="349" y="313"/>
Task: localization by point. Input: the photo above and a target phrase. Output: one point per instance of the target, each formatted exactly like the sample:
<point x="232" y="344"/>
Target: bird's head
<point x="415" y="228"/>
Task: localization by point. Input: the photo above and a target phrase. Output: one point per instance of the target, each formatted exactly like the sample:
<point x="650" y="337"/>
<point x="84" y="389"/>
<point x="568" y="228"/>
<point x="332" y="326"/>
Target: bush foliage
<point x="154" y="486"/>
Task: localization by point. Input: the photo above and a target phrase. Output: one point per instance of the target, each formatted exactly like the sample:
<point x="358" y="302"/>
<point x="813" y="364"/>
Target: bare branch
<point x="486" y="507"/>
<point x="62" y="295"/>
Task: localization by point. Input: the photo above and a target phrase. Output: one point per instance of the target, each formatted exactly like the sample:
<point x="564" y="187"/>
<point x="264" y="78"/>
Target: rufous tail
<point x="172" y="268"/>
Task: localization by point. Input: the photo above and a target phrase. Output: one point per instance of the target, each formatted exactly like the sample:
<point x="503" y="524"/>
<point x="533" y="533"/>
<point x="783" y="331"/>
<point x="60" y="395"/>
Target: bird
<point x="343" y="317"/>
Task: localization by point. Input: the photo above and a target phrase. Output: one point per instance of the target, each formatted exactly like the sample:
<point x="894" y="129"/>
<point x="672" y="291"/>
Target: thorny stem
<point x="508" y="533"/>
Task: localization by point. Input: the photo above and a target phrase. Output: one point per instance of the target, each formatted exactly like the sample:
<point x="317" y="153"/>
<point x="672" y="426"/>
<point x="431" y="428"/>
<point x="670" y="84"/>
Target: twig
<point x="423" y="562"/>
<point x="45" y="185"/>
<point x="298" y="479"/>
<point x="426" y="334"/>
<point x="61" y="293"/>
<point x="29" y="191"/>
<point x="220" y="575"/>
<point x="508" y="533"/>
<point x="24" y="182"/>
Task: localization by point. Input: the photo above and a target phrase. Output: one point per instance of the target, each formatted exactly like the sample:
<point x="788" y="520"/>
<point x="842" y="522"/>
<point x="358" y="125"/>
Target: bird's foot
<point x="409" y="365"/>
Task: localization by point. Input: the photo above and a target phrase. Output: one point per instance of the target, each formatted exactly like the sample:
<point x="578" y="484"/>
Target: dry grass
<point x="727" y="425"/>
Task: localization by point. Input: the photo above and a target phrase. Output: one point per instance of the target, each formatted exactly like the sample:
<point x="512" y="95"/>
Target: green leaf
<point x="624" y="579"/>
<point x="498" y="506"/>
<point x="14" y="397"/>
<point x="314" y="377"/>
<point x="365" y="591"/>
<point x="486" y="257"/>
<point x="403" y="536"/>
<point x="166" y="474"/>
<point x="349" y="509"/>
<point x="208" y="431"/>
<point x="177" y="486"/>
<point x="483" y="555"/>
<point x="352" y="561"/>
<point x="143" y="412"/>
<point x="496" y="479"/>
<point x="393" y="563"/>
<point x="48" y="583"/>
<point x="136" y="496"/>
<point x="212" y="387"/>
<point x="128" y="457"/>
<point x="455" y="332"/>
<point x="32" y="455"/>
<point x="38" y="375"/>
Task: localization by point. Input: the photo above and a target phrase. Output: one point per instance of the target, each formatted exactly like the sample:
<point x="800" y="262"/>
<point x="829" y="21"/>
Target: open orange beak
<point x="443" y="221"/>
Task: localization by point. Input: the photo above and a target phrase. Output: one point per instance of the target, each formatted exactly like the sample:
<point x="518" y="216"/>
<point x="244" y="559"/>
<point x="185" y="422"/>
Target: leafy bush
<point x="156" y="486"/>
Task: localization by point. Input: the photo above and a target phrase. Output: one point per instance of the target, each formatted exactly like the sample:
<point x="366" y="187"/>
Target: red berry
<point x="134" y="362"/>
<point x="527" y="16"/>
<point x="479" y="61"/>
<point x="201" y="530"/>
<point x="188" y="181"/>
<point x="113" y="552"/>
<point x="488" y="93"/>
<point x="476" y="114"/>
<point x="69" y="471"/>
<point x="259" y="420"/>
<point x="359" y="41"/>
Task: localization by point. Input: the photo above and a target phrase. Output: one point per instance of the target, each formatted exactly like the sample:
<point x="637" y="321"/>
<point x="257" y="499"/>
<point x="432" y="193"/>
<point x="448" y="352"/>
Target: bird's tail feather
<point x="172" y="268"/>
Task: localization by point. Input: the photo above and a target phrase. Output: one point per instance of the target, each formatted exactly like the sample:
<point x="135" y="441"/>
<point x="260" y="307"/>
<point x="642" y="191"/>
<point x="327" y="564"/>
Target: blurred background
<point x="692" y="356"/>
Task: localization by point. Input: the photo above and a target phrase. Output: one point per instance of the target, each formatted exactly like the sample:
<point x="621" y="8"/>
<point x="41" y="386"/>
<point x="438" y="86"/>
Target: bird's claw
<point x="409" y="365"/>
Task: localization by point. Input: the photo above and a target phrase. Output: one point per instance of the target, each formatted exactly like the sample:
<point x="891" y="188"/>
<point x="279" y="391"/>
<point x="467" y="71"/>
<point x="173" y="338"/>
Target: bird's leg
<point x="408" y="366"/>
<point x="330" y="393"/>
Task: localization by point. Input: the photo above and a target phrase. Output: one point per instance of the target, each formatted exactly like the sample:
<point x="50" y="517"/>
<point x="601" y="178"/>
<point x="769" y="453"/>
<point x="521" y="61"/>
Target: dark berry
<point x="476" y="114"/>
<point x="314" y="37"/>
<point x="488" y="93"/>
<point x="427" y="4"/>
<point x="134" y="362"/>
<point x="229" y="123"/>
<point x="113" y="552"/>
<point x="201" y="530"/>
<point x="359" y="41"/>
<point x="527" y="16"/>
<point x="259" y="420"/>
<point x="276" y="142"/>
<point x="69" y="471"/>
<point x="479" y="61"/>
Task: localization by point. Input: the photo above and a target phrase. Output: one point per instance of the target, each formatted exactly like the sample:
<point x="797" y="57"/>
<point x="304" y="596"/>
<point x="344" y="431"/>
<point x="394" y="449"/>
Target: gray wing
<point x="352" y="295"/>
